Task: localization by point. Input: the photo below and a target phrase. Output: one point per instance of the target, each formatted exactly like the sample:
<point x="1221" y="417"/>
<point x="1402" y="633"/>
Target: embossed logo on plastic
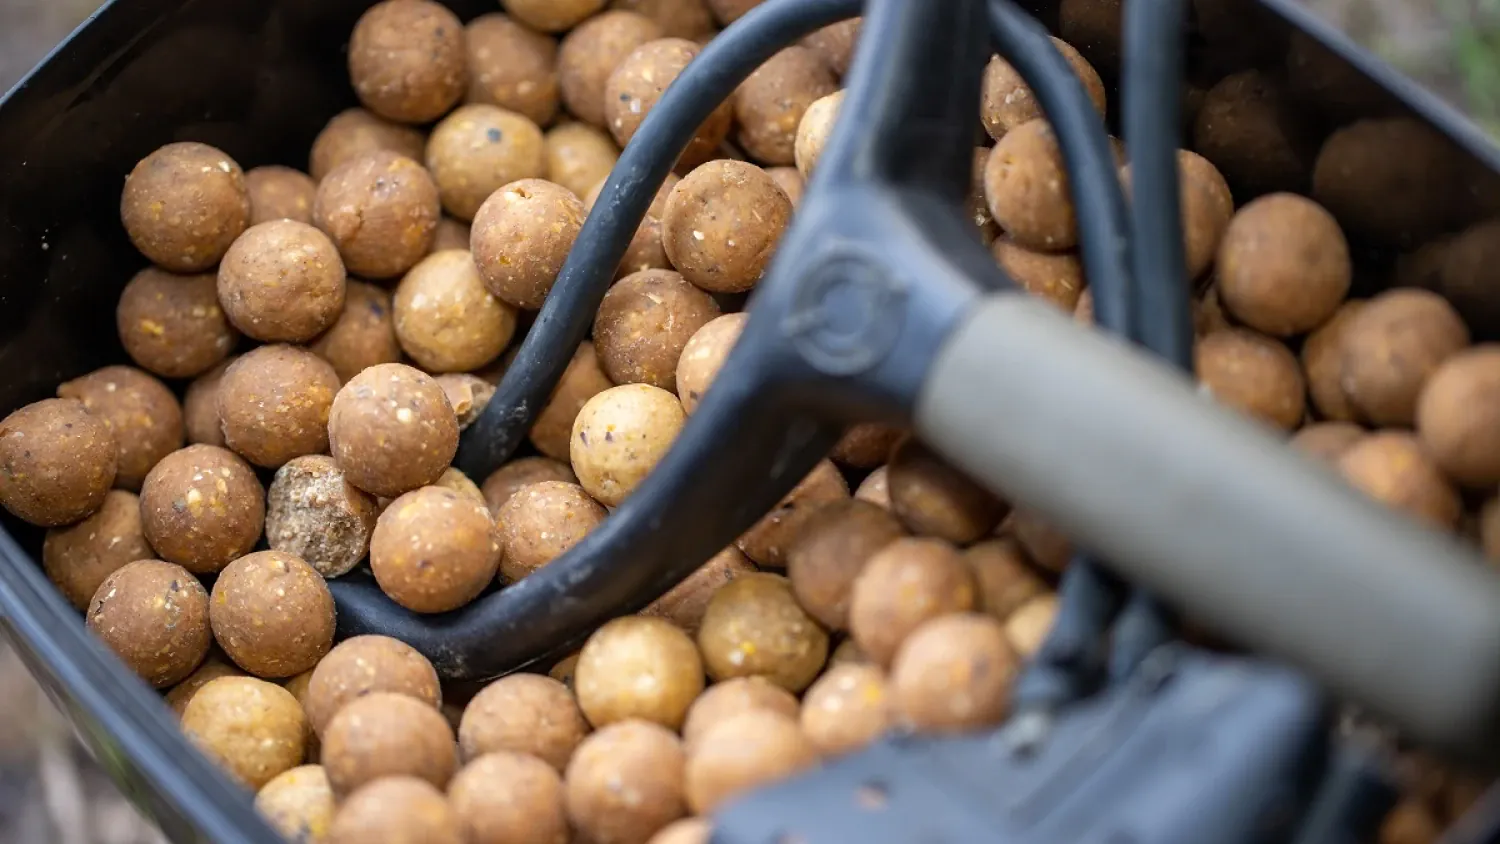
<point x="847" y="314"/>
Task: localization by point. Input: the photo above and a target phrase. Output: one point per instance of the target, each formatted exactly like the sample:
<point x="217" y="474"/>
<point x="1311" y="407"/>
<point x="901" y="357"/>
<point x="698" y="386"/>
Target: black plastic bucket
<point x="258" y="78"/>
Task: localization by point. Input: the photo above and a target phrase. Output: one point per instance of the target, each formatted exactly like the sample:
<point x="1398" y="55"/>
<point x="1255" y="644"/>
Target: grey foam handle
<point x="1221" y="517"/>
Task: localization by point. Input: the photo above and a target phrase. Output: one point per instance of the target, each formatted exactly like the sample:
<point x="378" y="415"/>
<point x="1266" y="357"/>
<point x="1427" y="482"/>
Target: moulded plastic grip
<point x="1211" y="511"/>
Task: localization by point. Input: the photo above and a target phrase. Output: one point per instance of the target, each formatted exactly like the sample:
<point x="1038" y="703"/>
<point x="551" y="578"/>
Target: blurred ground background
<point x="49" y="789"/>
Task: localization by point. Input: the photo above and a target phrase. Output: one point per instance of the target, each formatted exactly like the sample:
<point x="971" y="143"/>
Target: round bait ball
<point x="579" y="156"/>
<point x="592" y="51"/>
<point x="298" y="803"/>
<point x="1326" y="442"/>
<point x="684" y="831"/>
<point x="865" y="445"/>
<point x="540" y="523"/>
<point x="521" y="236"/>
<point x="522" y="472"/>
<point x="1094" y="27"/>
<point x="739" y="754"/>
<point x="202" y="507"/>
<point x="479" y="149"/>
<point x="1045" y="545"/>
<point x="140" y="412"/>
<point x="645" y="251"/>
<point x="512" y="66"/>
<point x="1388" y="180"/>
<point x="433" y="550"/>
<point x="643" y="324"/>
<point x="645" y="755"/>
<point x="814" y="130"/>
<point x="384" y="734"/>
<point x="935" y="499"/>
<point x="903" y="585"/>
<point x="1283" y="267"/>
<point x="353" y="133"/>
<point x="214" y="666"/>
<point x="846" y="709"/>
<point x="1249" y="129"/>
<point x="279" y="193"/>
<point x="835" y="44"/>
<point x="1465" y="270"/>
<point x="407" y="60"/>
<point x="686" y="603"/>
<point x="446" y="319"/>
<point x="1004" y="576"/>
<point x="1458" y="416"/>
<point x="253" y="729"/>
<point x="1026" y="184"/>
<point x="171" y="325"/>
<point x="553" y="15"/>
<point x="723" y="701"/>
<point x="704" y="356"/>
<point x="468" y="394"/>
<point x="1254" y="374"/>
<point x="954" y="674"/>
<point x="381" y="211"/>
<point x="397" y="808"/>
<point x="620" y="435"/>
<point x="830" y="552"/>
<point x="1323" y="362"/>
<point x="282" y="282"/>
<point x="769" y="105"/>
<point x="638" y="667"/>
<point x="1391" y="346"/>
<point x="1393" y="468"/>
<point x="362" y="665"/>
<point x="200" y="407"/>
<point x="1205" y="211"/>
<point x="754" y="627"/>
<point x="509" y="798"/>
<point x="768" y="540"/>
<point x="722" y="223"/>
<point x="79" y="557"/>
<point x="392" y="430"/>
<point x="274" y="403"/>
<point x="183" y="205"/>
<point x="636" y="85"/>
<point x="790" y="180"/>
<point x="583" y="379"/>
<point x="677" y="18"/>
<point x="364" y="334"/>
<point x="314" y="514"/>
<point x="523" y="713"/>
<point x="272" y="614"/>
<point x="1027" y="627"/>
<point x="1007" y="101"/>
<point x="1055" y="277"/>
<point x="154" y="616"/>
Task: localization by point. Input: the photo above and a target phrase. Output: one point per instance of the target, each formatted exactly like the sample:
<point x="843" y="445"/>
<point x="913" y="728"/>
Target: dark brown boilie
<point x="77" y="558"/>
<point x="768" y="541"/>
<point x="677" y="18"/>
<point x="391" y="430"/>
<point x="154" y="616"/>
<point x="139" y="411"/>
<point x="274" y="403"/>
<point x="172" y="325"/>
<point x="279" y="193"/>
<point x="1390" y="181"/>
<point x="200" y="406"/>
<point x="935" y="499"/>
<point x="1251" y="133"/>
<point x="636" y="85"/>
<point x="57" y="462"/>
<point x="434" y="550"/>
<point x="592" y="51"/>
<point x="183" y="205"/>
<point x="831" y="551"/>
<point x="1007" y="101"/>
<point x="512" y="66"/>
<point x="407" y="60"/>
<point x="835" y="44"/>
<point x="202" y="507"/>
<point x="272" y="614"/>
<point x="865" y="445"/>
<point x="381" y="211"/>
<point x="363" y="335"/>
<point x="282" y="282"/>
<point x="768" y="106"/>
<point x="517" y="474"/>
<point x="643" y="324"/>
<point x="686" y="603"/>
